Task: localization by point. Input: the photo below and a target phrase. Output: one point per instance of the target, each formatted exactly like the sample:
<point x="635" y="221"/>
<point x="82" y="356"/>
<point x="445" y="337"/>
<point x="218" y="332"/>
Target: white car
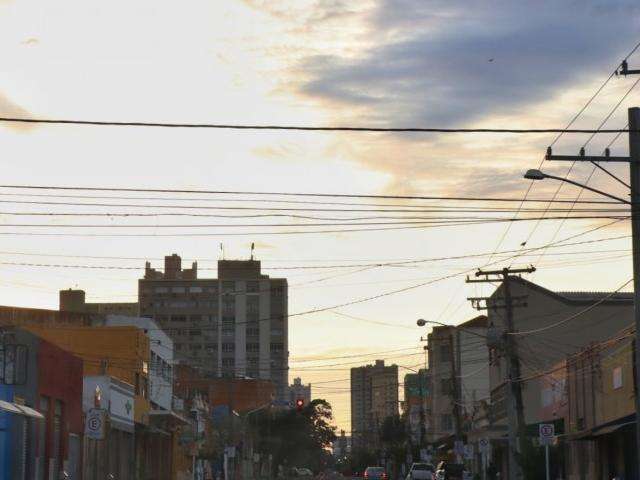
<point x="421" y="471"/>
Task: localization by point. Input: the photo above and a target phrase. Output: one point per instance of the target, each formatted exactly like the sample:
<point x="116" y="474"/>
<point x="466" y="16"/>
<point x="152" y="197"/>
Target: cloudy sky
<point x="311" y="62"/>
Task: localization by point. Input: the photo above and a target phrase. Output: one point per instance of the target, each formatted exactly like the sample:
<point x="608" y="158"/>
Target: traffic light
<point x="299" y="404"/>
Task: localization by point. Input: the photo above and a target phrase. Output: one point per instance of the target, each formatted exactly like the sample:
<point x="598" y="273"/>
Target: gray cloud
<point x="432" y="63"/>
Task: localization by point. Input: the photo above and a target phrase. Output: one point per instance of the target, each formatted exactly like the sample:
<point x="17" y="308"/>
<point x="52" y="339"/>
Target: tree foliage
<point x="298" y="438"/>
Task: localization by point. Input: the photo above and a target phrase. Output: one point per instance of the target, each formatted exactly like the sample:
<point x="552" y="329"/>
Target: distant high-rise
<point x="233" y="325"/>
<point x="374" y="397"/>
<point x="299" y="391"/>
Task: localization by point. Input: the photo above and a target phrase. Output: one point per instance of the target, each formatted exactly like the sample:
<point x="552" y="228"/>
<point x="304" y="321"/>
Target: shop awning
<point x="606" y="429"/>
<point x="9" y="407"/>
<point x="30" y="412"/>
<point x="168" y="415"/>
<point x="20" y="410"/>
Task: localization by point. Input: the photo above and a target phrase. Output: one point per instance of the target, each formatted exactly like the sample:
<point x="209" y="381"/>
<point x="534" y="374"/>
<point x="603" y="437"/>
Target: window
<point x="253" y="347"/>
<point x="177" y="347"/>
<point x="253" y="286"/>
<point x="277" y="291"/>
<point x="195" y="347"/>
<point x="213" y="290"/>
<point x="253" y="306"/>
<point x="228" y="347"/>
<point x="178" y="318"/>
<point x="617" y="378"/>
<point x="253" y="332"/>
<point x="195" y="289"/>
<point x="277" y="332"/>
<point x="228" y="362"/>
<point x="446" y="422"/>
<point x="228" y="287"/>
<point x="161" y="290"/>
<point x="277" y="347"/>
<point x="196" y="318"/>
<point x="195" y="332"/>
<point x="177" y="289"/>
<point x="211" y="347"/>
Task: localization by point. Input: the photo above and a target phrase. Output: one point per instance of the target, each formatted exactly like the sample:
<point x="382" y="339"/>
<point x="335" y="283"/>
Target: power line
<point x="219" y="126"/>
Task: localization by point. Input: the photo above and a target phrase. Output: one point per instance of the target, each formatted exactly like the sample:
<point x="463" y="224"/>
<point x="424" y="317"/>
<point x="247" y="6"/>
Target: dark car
<point x="375" y="473"/>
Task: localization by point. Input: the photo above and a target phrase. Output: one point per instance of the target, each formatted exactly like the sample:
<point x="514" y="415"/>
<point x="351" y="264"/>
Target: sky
<point x="384" y="63"/>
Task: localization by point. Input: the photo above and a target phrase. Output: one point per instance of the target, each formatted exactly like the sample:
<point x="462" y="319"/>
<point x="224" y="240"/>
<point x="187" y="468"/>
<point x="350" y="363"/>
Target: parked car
<point x="421" y="471"/>
<point x="301" y="473"/>
<point x="375" y="473"/>
<point x="450" y="471"/>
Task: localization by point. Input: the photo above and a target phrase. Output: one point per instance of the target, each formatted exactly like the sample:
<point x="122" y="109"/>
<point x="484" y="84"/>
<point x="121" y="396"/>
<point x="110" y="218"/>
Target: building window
<point x="446" y="422"/>
<point x="277" y="347"/>
<point x="196" y="318"/>
<point x="177" y="346"/>
<point x="277" y="292"/>
<point x="179" y="318"/>
<point x="195" y="332"/>
<point x="253" y="306"/>
<point x="228" y="362"/>
<point x="253" y="332"/>
<point x="253" y="347"/>
<point x="228" y="347"/>
<point x="617" y="378"/>
<point x="195" y="289"/>
<point x="161" y="290"/>
<point x="177" y="289"/>
<point x="228" y="287"/>
<point x="253" y="286"/>
<point x="211" y="347"/>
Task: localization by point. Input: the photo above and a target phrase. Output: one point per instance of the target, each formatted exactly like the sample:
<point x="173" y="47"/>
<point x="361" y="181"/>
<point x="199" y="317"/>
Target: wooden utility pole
<point x="515" y="410"/>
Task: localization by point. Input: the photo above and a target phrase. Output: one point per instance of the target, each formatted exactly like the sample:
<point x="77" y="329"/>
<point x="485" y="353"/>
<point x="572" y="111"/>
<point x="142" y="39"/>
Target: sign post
<point x="483" y="446"/>
<point x="94" y="424"/>
<point x="546" y="432"/>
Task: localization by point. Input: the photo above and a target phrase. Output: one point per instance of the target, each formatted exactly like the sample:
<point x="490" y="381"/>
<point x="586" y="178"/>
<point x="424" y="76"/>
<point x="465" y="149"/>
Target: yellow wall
<point x="617" y="403"/>
<point x="124" y="351"/>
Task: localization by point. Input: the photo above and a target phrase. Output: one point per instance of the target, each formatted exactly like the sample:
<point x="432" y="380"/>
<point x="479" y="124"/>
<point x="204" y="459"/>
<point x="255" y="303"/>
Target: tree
<point x="298" y="438"/>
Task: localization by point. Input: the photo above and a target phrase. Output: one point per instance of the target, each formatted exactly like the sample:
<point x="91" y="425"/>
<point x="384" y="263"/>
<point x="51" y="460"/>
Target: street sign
<point x="546" y="433"/>
<point x="95" y="423"/>
<point x="468" y="451"/>
<point x="483" y="445"/>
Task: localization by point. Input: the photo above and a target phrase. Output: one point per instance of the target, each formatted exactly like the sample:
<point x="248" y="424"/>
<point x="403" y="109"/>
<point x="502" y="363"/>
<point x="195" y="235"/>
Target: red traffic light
<point x="299" y="403"/>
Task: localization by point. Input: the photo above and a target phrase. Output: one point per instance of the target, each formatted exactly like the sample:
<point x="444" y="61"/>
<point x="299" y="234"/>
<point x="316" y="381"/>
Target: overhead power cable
<point x="282" y="194"/>
<point x="222" y="126"/>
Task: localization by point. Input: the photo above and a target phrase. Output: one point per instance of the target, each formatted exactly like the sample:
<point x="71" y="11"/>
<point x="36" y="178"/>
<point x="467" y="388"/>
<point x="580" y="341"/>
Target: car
<point x="421" y="471"/>
<point x="450" y="471"/>
<point x="375" y="473"/>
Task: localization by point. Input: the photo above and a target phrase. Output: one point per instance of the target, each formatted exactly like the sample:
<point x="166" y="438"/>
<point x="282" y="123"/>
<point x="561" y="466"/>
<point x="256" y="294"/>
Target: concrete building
<point x="297" y="390"/>
<point x="341" y="446"/>
<point x="75" y="301"/>
<point x="415" y="404"/>
<point x="160" y="361"/>
<point x="374" y="397"/>
<point x="233" y="325"/>
<point x="456" y="354"/>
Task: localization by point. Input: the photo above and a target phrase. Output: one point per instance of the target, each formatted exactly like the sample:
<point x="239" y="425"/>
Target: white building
<point x="161" y="361"/>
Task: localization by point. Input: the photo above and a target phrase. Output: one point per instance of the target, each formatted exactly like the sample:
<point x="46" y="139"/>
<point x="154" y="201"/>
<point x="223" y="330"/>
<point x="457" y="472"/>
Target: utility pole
<point x="454" y="386"/>
<point x="634" y="182"/>
<point x="515" y="410"/>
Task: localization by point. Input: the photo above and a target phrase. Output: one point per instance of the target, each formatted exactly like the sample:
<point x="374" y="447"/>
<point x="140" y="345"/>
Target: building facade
<point x="374" y="397"/>
<point x="299" y="391"/>
<point x="235" y="325"/>
<point x="41" y="414"/>
<point x="75" y="301"/>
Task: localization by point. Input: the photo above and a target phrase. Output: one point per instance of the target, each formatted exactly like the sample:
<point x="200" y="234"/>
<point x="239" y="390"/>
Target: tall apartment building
<point x="458" y="362"/>
<point x="298" y="390"/>
<point x="235" y="325"/>
<point x="72" y="300"/>
<point x="374" y="397"/>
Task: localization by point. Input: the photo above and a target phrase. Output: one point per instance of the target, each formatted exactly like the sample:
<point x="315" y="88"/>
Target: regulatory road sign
<point x="483" y="445"/>
<point x="546" y="432"/>
<point x="94" y="425"/>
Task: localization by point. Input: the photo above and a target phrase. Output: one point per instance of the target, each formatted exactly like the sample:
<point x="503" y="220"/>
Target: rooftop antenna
<point x="222" y="250"/>
<point x="253" y="247"/>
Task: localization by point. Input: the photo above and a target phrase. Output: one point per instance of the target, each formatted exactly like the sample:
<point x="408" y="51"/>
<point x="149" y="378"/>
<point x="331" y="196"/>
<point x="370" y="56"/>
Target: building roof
<point x="573" y="298"/>
<point x="481" y="321"/>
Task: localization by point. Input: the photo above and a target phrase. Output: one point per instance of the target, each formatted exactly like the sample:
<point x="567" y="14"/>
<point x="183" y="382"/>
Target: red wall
<point x="60" y="378"/>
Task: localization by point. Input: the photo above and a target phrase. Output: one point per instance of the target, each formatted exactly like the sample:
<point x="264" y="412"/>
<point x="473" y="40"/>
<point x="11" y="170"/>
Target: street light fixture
<point x="422" y="322"/>
<point x="535" y="174"/>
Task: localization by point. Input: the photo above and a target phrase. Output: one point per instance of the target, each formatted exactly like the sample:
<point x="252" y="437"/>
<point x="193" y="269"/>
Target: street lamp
<point x="422" y="322"/>
<point x="535" y="174"/>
